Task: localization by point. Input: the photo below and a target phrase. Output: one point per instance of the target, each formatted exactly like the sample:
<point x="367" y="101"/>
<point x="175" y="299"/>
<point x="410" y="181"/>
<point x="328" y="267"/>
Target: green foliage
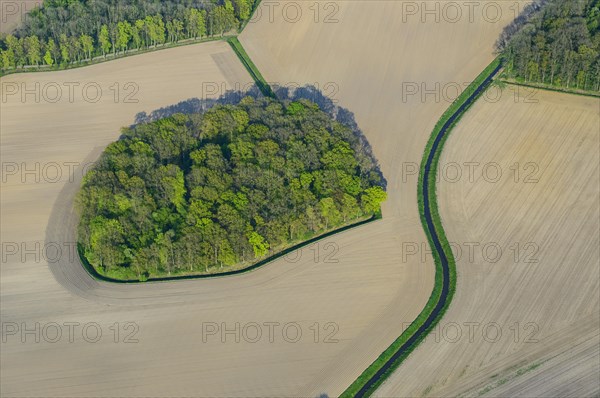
<point x="387" y="355"/>
<point x="558" y="46"/>
<point x="87" y="45"/>
<point x="242" y="9"/>
<point x="123" y="35"/>
<point x="8" y="58"/>
<point x="193" y="192"/>
<point x="48" y="60"/>
<point x="258" y="243"/>
<point x="250" y="67"/>
<point x="65" y="48"/>
<point x="33" y="48"/>
<point x="104" y="40"/>
<point x="15" y="51"/>
<point x="195" y="23"/>
<point x="88" y="29"/>
<point x="222" y="19"/>
<point x="372" y="198"/>
<point x="294" y="108"/>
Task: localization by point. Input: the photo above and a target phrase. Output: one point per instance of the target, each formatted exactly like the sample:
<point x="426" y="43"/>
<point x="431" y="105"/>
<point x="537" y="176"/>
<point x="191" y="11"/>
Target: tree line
<point x="555" y="42"/>
<point x="62" y="32"/>
<point x="202" y="192"/>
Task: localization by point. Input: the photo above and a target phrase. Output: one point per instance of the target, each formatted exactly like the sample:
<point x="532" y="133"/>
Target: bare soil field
<point x="398" y="69"/>
<point x="12" y="13"/>
<point x="281" y="330"/>
<point x="525" y="317"/>
<point x="314" y="310"/>
<point x="358" y="292"/>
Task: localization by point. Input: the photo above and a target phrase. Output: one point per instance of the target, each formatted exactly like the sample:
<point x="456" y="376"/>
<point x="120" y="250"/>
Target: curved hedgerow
<point x="201" y="193"/>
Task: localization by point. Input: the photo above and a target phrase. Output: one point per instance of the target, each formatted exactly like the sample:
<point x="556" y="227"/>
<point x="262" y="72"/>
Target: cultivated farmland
<point x="343" y="300"/>
<point x="334" y="291"/>
<point x="382" y="72"/>
<point x="533" y="272"/>
<point x="332" y="287"/>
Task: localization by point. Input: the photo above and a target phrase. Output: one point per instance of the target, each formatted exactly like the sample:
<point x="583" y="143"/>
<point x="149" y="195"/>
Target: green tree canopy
<point x="200" y="192"/>
<point x="558" y="45"/>
<point x="76" y="30"/>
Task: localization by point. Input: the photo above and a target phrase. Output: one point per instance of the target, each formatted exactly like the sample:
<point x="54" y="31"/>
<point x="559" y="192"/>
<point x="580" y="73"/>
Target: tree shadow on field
<point x="195" y="105"/>
<point x="284" y="94"/>
<point x="62" y="226"/>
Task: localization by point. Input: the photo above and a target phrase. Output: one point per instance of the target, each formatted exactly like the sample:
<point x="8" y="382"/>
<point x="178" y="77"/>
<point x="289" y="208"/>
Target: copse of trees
<point x="63" y="32"/>
<point x="555" y="42"/>
<point x="205" y="192"/>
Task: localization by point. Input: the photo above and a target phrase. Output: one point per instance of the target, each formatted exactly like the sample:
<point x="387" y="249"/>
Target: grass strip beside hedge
<point x="395" y="354"/>
<point x="262" y="84"/>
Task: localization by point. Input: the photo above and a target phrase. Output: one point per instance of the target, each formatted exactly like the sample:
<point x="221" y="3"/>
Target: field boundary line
<point x="546" y="87"/>
<point x="110" y="57"/>
<point x="132" y="52"/>
<point x="244" y="58"/>
<point x="445" y="267"/>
